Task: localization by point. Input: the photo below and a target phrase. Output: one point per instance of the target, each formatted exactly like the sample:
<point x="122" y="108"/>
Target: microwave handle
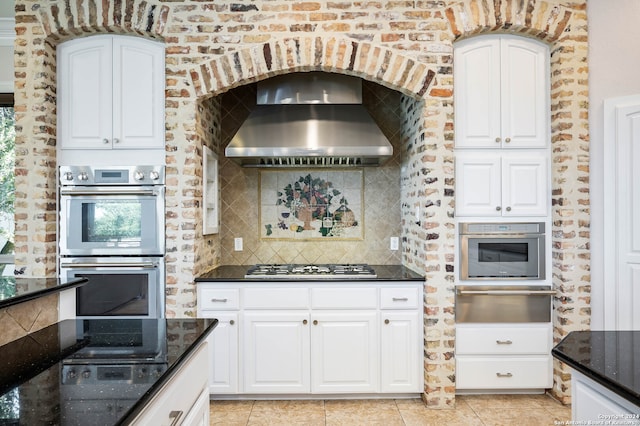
<point x="507" y="292"/>
<point x="121" y="191"/>
<point x="108" y="264"/>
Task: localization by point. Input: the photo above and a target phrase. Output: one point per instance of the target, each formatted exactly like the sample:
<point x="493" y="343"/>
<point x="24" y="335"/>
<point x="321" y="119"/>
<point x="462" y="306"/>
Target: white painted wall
<point x="614" y="61"/>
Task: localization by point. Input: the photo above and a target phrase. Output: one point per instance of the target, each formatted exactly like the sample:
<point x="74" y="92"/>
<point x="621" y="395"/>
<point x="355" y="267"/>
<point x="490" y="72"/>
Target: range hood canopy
<point x="309" y="119"/>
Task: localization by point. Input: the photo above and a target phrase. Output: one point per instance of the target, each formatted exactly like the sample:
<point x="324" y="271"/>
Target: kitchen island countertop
<point x="14" y="290"/>
<point x="227" y="273"/>
<point x="609" y="358"/>
<point x="34" y="388"/>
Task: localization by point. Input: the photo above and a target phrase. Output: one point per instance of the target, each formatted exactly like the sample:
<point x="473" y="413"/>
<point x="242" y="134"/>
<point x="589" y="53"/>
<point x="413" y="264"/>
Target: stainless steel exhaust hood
<point x="309" y="119"/>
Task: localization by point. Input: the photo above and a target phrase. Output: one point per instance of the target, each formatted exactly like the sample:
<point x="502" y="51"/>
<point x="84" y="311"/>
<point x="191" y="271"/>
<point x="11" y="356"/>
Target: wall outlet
<point x="237" y="244"/>
<point x="394" y="243"/>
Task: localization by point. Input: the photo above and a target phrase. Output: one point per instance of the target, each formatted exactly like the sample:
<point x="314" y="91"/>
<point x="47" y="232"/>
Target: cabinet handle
<point x="498" y="208"/>
<point x="315" y="322"/>
<point x="400" y="299"/>
<point x="305" y="322"/>
<point x="105" y="141"/>
<point x="387" y="321"/>
<point x="504" y="342"/>
<point x="498" y="140"/>
<point x="504" y="374"/>
<point x="231" y="322"/>
<point x="219" y="300"/>
<point x="116" y="140"/>
<point x="507" y="140"/>
<point x="175" y="415"/>
<point x="508" y="209"/>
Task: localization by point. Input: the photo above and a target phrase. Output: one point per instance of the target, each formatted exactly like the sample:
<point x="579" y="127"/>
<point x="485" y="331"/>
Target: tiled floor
<point x="480" y="410"/>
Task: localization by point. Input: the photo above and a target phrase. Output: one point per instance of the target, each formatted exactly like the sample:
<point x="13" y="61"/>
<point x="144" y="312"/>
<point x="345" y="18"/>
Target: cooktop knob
<point x="86" y="374"/>
<point x="68" y="176"/>
<point x="83" y="176"/>
<point x="138" y="175"/>
<point x="154" y="175"/>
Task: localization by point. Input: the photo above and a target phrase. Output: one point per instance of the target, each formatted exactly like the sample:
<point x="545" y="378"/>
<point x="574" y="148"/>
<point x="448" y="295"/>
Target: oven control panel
<point x="111" y="175"/>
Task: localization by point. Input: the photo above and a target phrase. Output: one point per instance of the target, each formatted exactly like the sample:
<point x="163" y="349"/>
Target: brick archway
<point x="366" y="60"/>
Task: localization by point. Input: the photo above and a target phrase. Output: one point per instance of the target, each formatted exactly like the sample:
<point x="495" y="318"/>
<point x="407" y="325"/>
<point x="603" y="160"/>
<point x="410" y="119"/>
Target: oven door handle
<point x="148" y="264"/>
<point x="120" y="191"/>
<point x="507" y="292"/>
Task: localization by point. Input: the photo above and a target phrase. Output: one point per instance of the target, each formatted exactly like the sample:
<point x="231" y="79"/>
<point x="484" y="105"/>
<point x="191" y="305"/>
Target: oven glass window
<point x="115" y="221"/>
<point x="112" y="294"/>
<point x="503" y="252"/>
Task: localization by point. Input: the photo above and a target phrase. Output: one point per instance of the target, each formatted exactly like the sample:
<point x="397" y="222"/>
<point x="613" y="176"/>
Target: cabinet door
<point x="84" y="93"/>
<point x="223" y="350"/>
<point x="477" y="93"/>
<point x="138" y="93"/>
<point x="524" y="93"/>
<point x="276" y="352"/>
<point x="478" y="181"/>
<point x="345" y="352"/>
<point x="401" y="352"/>
<point x="524" y="185"/>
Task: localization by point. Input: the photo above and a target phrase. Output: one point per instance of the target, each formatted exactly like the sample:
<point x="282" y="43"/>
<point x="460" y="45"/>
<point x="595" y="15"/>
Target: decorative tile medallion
<point x="311" y="205"/>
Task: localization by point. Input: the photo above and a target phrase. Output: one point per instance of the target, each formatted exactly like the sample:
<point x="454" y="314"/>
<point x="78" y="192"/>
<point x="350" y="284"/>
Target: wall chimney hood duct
<point x="309" y="119"/>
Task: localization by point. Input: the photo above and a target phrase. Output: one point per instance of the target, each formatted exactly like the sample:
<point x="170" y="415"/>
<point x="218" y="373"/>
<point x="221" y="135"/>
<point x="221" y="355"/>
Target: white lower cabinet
<point x="276" y="352"/>
<point x="315" y="338"/>
<point x="592" y="403"/>
<point x="184" y="399"/>
<point x="344" y="348"/>
<point x="503" y="356"/>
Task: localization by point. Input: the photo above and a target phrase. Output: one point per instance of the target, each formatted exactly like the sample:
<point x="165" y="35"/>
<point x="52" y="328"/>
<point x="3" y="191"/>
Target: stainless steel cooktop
<point x="300" y="271"/>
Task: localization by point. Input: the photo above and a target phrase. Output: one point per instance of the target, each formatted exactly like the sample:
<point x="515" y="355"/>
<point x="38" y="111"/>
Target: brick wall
<point x="214" y="46"/>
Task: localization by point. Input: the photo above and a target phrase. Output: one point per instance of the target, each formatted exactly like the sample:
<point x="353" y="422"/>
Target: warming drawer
<point x="503" y="304"/>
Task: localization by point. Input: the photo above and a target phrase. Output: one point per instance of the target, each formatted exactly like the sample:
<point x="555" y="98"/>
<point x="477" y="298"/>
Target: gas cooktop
<point x="301" y="271"/>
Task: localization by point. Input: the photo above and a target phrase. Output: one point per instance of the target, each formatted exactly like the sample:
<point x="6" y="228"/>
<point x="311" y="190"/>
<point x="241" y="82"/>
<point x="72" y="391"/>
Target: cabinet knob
<point x="498" y="140"/>
<point x="231" y="322"/>
<point x="116" y="140"/>
<point x="498" y="208"/>
<point x="315" y="322"/>
<point x="105" y="141"/>
<point x="508" y="209"/>
<point x="305" y="322"/>
<point x="386" y="321"/>
<point x="507" y="140"/>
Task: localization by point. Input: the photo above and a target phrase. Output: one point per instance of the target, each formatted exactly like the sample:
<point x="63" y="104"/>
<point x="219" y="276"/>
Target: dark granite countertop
<point x="14" y="290"/>
<point x="49" y="376"/>
<point x="610" y="358"/>
<point x="229" y="273"/>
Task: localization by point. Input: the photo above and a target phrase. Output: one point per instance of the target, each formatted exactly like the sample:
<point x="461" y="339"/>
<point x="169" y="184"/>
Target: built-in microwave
<point x="502" y="251"/>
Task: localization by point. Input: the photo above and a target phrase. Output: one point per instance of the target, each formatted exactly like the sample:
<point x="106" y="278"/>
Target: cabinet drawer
<point x="219" y="299"/>
<point x="503" y="373"/>
<point x="503" y="340"/>
<point x="348" y="298"/>
<point x="399" y="298"/>
<point x="275" y="298"/>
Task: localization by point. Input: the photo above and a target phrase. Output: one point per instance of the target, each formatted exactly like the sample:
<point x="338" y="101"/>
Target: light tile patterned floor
<point x="480" y="410"/>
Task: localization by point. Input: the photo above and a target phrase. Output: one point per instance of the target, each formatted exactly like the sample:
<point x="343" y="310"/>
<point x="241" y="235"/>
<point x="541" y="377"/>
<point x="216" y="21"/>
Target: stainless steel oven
<point x="111" y="211"/>
<point x="502" y="251"/>
<point x="124" y="287"/>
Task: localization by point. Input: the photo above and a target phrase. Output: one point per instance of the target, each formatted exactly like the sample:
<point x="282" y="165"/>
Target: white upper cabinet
<point x="508" y="184"/>
<point x="501" y="93"/>
<point x="111" y="93"/>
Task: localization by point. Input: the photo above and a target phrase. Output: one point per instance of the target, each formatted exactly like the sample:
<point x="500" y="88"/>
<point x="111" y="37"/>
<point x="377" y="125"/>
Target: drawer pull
<point x="219" y="300"/>
<point x="504" y="375"/>
<point x="315" y="322"/>
<point x="504" y="342"/>
<point x="175" y="415"/>
<point x="400" y="299"/>
<point x="305" y="322"/>
<point x="386" y="321"/>
<point x="231" y="322"/>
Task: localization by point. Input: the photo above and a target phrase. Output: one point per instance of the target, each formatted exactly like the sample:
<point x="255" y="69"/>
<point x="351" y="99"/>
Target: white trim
<point x="7" y="30"/>
<point x="612" y="109"/>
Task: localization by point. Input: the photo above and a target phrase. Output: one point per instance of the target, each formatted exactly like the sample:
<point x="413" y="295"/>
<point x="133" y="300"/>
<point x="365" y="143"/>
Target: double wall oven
<point x="112" y="232"/>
